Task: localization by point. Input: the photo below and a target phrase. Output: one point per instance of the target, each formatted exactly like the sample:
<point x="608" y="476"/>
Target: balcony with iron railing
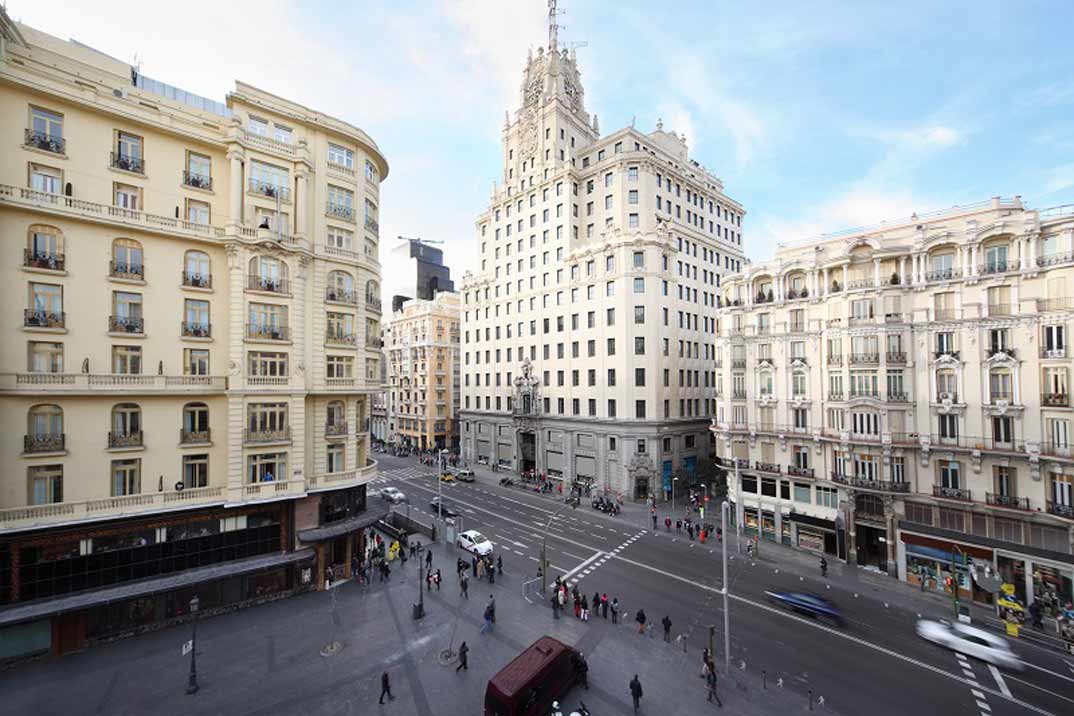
<point x="993" y="267"/>
<point x="194" y="437"/>
<point x="1051" y="353"/>
<point x="1063" y="303"/>
<point x="900" y="438"/>
<point x="265" y="332"/>
<point x="947" y="353"/>
<point x="128" y="439"/>
<point x="767" y="467"/>
<point x="197" y="280"/>
<point x="373" y="302"/>
<point x="994" y="351"/>
<point x="864" y="393"/>
<point x="197" y="181"/>
<point x="372" y="225"/>
<point x="835" y="359"/>
<point x="126" y="324"/>
<point x="1000" y="309"/>
<point x="943" y="274"/>
<point x="738" y="363"/>
<point x="268" y="435"/>
<point x="896" y="357"/>
<point x="127" y="163"/>
<point x="952" y="493"/>
<point x="44" y="141"/>
<point x="197" y="329"/>
<point x="126" y="270"/>
<point x="898" y="397"/>
<point x="1009" y="501"/>
<point x="994" y="396"/>
<point x="1060" y="510"/>
<point x="335" y="428"/>
<point x="33" y="318"/>
<point x="796" y="471"/>
<point x="269" y="284"/>
<point x="1055" y="400"/>
<point x="340" y="337"/>
<point x="341" y="295"/>
<point x="339" y="211"/>
<point x="1055" y="259"/>
<point x="44" y="443"/>
<point x="894" y="318"/>
<point x="859" y="283"/>
<point x="835" y="397"/>
<point x="864" y="358"/>
<point x="272" y="191"/>
<point x="738" y="395"/>
<point x="43" y="260"/>
<point x="863" y="483"/>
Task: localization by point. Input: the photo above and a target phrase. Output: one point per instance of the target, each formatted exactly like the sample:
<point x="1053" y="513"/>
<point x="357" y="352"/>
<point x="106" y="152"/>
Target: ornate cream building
<point x="588" y="335"/>
<point x="421" y="346"/>
<point x="192" y="321"/>
<point x="900" y="394"/>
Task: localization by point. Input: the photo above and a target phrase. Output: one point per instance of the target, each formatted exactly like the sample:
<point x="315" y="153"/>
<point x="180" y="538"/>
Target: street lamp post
<point x="724" y="509"/>
<point x="571" y="502"/>
<point x="192" y="683"/>
<point x="673" y="481"/>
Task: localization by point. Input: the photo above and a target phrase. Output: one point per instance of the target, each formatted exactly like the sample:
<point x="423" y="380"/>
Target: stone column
<point x="973" y="259"/>
<point x="889" y="524"/>
<point x="827" y="284"/>
<point x="962" y="260"/>
<point x="852" y="548"/>
<point x="301" y="202"/>
<point x="234" y="156"/>
<point x="1032" y="254"/>
<point x="846" y="274"/>
<point x="902" y="270"/>
<point x="1029" y="581"/>
<point x="876" y="273"/>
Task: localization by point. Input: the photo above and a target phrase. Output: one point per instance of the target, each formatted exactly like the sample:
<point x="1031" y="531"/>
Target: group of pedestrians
<point x="583" y="605"/>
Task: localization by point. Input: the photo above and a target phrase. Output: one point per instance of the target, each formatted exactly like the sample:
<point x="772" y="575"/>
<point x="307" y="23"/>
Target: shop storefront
<point x="813" y="534"/>
<point x="340" y="534"/>
<point x="1046" y="582"/>
<point x="933" y="564"/>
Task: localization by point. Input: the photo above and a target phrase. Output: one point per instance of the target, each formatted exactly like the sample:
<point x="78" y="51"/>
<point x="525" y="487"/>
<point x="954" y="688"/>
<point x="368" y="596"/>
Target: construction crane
<point x="419" y="240"/>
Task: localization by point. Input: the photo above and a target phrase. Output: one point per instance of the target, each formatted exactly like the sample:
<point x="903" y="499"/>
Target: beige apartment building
<point x="899" y="396"/>
<point x="193" y="308"/>
<point x="588" y="328"/>
<point x="421" y="346"/>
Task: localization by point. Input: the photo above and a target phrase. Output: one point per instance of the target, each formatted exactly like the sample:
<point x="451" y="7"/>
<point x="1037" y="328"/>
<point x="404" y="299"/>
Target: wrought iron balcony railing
<point x="340" y="338"/>
<point x="869" y="484"/>
<point x="43" y="260"/>
<point x="197" y="280"/>
<point x="198" y="181"/>
<point x="269" y="189"/>
<point x="271" y="284"/>
<point x="1055" y="400"/>
<point x="188" y="437"/>
<point x="266" y="332"/>
<point x="1060" y="510"/>
<point x="799" y="471"/>
<point x="340" y="211"/>
<point x="952" y="493"/>
<point x="197" y="329"/>
<point x="272" y="435"/>
<point x="44" y="442"/>
<point x="943" y="274"/>
<point x="767" y="467"/>
<point x="859" y="358"/>
<point x="128" y="163"/>
<point x="335" y="428"/>
<point x="126" y="324"/>
<point x="131" y="438"/>
<point x="33" y="318"/>
<point x="341" y="295"/>
<point x="45" y="142"/>
<point x="896" y="357"/>
<point x="1017" y="503"/>
<point x="126" y="269"/>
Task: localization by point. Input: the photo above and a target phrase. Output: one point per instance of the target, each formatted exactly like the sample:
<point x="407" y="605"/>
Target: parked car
<point x="465" y="475"/>
<point x="809" y="604"/>
<point x="393" y="495"/>
<point x="474" y="541"/>
<point x="482" y="461"/>
<point x="971" y="641"/>
<point x="446" y="511"/>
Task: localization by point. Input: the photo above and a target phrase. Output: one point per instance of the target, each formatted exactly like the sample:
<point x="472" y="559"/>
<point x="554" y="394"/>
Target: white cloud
<point x="1060" y="178"/>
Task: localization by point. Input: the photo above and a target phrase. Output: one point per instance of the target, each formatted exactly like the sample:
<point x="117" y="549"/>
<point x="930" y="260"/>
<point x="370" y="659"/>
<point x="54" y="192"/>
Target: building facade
<point x="193" y="312"/>
<point x="588" y="335"/>
<point x="425" y="272"/>
<point x="421" y="345"/>
<point x="899" y="396"/>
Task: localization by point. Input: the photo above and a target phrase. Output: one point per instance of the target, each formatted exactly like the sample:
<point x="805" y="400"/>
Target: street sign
<point x="188" y="645"/>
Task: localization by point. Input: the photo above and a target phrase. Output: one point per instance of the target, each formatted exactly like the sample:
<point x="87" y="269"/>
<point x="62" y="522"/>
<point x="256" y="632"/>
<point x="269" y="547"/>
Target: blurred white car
<point x="474" y="541"/>
<point x="393" y="495"/>
<point x="971" y="641"/>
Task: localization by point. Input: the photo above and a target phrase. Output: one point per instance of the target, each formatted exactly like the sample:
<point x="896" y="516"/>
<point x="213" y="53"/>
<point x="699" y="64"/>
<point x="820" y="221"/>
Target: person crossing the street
<point x="464" y="652"/>
<point x="635" y="693"/>
<point x="666" y="622"/>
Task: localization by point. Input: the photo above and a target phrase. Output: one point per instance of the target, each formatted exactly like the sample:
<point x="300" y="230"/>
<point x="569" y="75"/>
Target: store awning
<point x="319" y="534"/>
<point x="32" y="611"/>
<point x="811" y="520"/>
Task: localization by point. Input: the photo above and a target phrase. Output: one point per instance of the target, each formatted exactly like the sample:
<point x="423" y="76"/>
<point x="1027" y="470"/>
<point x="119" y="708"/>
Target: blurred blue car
<point x="809" y="604"/>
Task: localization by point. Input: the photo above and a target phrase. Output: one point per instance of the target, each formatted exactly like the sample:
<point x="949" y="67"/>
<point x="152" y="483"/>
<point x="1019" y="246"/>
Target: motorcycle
<point x="506" y="482"/>
<point x="582" y="710"/>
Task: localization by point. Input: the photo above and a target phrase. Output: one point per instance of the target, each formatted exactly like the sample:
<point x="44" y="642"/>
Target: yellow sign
<point x="1012" y="629"/>
<point x="393" y="551"/>
<point x="1007" y="588"/>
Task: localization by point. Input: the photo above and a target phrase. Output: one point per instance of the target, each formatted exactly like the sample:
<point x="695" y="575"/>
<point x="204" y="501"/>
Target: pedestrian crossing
<point x="401" y="473"/>
<point x="590" y="565"/>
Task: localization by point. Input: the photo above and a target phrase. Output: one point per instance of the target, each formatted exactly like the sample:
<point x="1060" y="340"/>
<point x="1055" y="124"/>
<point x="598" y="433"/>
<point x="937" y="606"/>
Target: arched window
<point x="340" y="287"/>
<point x="196" y="270"/>
<point x="268" y="274"/>
<point x="127" y="259"/>
<point x="869" y="505"/>
<point x="372" y="292"/>
<point x="195" y="423"/>
<point x="126" y="426"/>
<point x="44" y="248"/>
<point x="44" y="429"/>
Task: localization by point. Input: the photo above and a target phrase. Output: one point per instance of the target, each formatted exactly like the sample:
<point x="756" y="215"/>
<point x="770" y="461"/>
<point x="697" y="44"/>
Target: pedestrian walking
<point x="823" y="566"/>
<point x="704" y="663"/>
<point x="491" y="570"/>
<point x="640" y="619"/>
<point x="555" y="606"/>
<point x="473" y="565"/>
<point x="654" y="520"/>
<point x="402" y="557"/>
<point x="499" y="564"/>
<point x="436" y="580"/>
<point x="428" y="558"/>
<point x="710" y="682"/>
<point x="428" y="581"/>
<point x="582" y="667"/>
<point x="487" y="626"/>
<point x="585" y="608"/>
<point x="635" y="693"/>
<point x="464" y="585"/>
<point x="464" y="652"/>
<point x="577" y="606"/>
<point x="596" y="603"/>
<point x="667" y="523"/>
<point x="678" y="525"/>
<point x="492" y="606"/>
<point x="604" y="604"/>
<point x="385" y="687"/>
<point x="666" y="621"/>
<point x="479" y="571"/>
<point x="615" y="610"/>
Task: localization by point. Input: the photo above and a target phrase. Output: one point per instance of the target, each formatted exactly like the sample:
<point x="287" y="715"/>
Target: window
<point x="198" y="171"/>
<point x="639" y="409"/>
<point x="827" y="496"/>
<point x="127" y="312"/>
<point x="45" y="357"/>
<point x="639" y="345"/>
<point x="340" y="155"/>
<point x="47" y="128"/>
<point x="282" y="134"/>
<point x="196" y="318"/>
<point x="128" y="152"/>
<point x="632" y="221"/>
<point x="257" y="126"/>
<point x="126" y="477"/>
<point x="46" y="484"/>
<point x="639" y="377"/>
<point x="127" y="197"/>
<point x="950" y="475"/>
<point x="335" y="458"/>
<point x="266" y="467"/>
<point x="195" y="361"/>
<point x="948" y="426"/>
<point x="195" y="471"/>
<point x="127" y="360"/>
<point x="196" y="271"/>
<point x="46" y="179"/>
<point x="267" y="365"/>
<point x="195" y="423"/>
<point x="639" y="285"/>
<point x="44" y="429"/>
<point x="639" y="314"/>
<point x="339" y="366"/>
<point x="1003" y="481"/>
<point x="269" y="180"/>
<point x="197" y="212"/>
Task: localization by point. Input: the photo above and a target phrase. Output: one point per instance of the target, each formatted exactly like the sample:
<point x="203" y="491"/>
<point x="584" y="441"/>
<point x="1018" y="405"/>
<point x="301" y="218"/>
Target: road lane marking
<point x="999" y="680"/>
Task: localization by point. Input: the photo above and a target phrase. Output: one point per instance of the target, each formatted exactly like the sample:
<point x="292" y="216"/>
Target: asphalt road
<point x="875" y="661"/>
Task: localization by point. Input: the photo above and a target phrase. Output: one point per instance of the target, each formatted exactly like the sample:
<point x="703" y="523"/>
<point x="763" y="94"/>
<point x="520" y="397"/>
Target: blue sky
<point x="818" y="116"/>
